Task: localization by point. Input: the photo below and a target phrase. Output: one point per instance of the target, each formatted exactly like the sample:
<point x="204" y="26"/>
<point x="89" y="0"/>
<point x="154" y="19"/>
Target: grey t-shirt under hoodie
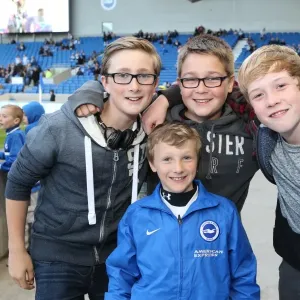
<point x="285" y="161"/>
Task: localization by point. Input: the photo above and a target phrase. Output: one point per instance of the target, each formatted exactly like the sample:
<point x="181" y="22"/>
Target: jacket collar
<point x="203" y="201"/>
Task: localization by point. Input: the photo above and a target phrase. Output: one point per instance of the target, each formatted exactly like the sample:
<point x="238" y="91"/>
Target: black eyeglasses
<point x="210" y="82"/>
<point x="126" y="78"/>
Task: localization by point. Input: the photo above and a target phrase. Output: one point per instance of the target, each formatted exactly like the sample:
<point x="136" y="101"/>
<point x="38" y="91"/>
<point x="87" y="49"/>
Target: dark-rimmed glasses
<point x="209" y="82"/>
<point x="126" y="78"/>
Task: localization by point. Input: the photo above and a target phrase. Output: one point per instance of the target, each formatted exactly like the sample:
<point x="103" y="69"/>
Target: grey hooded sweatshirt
<point x="85" y="187"/>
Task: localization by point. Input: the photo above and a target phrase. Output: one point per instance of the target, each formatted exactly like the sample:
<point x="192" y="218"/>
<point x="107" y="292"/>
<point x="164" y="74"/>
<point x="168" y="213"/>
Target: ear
<point x="105" y="83"/>
<point x="152" y="167"/>
<point x="17" y="121"/>
<point x="156" y="83"/>
<point x="231" y="81"/>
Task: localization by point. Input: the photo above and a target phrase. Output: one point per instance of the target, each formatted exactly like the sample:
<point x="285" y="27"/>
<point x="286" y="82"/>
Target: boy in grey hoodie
<point x="90" y="170"/>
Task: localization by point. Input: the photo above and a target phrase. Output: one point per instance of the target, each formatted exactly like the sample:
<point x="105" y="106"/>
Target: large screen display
<point x="30" y="16"/>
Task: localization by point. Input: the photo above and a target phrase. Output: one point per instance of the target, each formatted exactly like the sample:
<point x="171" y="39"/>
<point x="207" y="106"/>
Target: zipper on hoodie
<point x="96" y="255"/>
<point x="115" y="159"/>
<point x="180" y="254"/>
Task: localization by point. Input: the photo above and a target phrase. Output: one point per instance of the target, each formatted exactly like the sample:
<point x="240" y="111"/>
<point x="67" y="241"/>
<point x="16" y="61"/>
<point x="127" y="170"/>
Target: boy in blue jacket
<point x="181" y="242"/>
<point x="10" y="119"/>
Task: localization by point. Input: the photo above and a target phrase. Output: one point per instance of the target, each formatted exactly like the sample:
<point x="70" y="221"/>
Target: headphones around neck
<point x="117" y="139"/>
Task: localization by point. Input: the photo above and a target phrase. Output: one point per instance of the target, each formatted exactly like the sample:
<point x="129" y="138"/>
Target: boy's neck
<point x="294" y="137"/>
<point x="112" y="117"/>
<point x="11" y="128"/>
<point x="198" y="119"/>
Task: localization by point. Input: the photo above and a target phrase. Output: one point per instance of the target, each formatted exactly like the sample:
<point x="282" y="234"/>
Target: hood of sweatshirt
<point x="91" y="92"/>
<point x="33" y="111"/>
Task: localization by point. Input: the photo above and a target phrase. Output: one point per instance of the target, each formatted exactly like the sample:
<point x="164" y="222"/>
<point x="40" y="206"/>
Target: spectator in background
<point x="80" y="72"/>
<point x="48" y="73"/>
<point x="10" y="119"/>
<point x="21" y="47"/>
<point x="18" y="60"/>
<point x="33" y="61"/>
<point x="52" y="96"/>
<point x="25" y="60"/>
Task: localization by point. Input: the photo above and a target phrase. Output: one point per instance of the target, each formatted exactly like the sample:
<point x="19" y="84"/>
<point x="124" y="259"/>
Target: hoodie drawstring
<point x="208" y="176"/>
<point x="90" y="180"/>
<point x="135" y="177"/>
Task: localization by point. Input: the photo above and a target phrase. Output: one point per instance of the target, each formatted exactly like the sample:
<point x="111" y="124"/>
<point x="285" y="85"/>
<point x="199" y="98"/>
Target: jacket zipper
<point x="180" y="254"/>
<point x="116" y="158"/>
<point x="96" y="255"/>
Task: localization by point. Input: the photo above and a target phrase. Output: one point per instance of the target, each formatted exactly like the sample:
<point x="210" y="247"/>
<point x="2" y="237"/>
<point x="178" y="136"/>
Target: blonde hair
<point x="130" y="43"/>
<point x="16" y="111"/>
<point x="173" y="134"/>
<point x="268" y="59"/>
<point x="208" y="45"/>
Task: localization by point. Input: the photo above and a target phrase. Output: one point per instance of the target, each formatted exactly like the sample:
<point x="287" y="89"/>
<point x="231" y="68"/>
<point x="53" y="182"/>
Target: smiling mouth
<point x="202" y="100"/>
<point x="278" y="113"/>
<point x="133" y="99"/>
<point x="181" y="178"/>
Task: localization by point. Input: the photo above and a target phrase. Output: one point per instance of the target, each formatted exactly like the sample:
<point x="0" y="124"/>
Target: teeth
<point x="177" y="178"/>
<point x="278" y="113"/>
<point x="202" y="101"/>
<point x="134" y="98"/>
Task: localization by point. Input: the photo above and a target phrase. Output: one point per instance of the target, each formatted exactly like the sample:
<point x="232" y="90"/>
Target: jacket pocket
<point x="60" y="228"/>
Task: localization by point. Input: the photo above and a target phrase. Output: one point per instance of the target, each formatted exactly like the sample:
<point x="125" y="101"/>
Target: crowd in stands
<point x="221" y="32"/>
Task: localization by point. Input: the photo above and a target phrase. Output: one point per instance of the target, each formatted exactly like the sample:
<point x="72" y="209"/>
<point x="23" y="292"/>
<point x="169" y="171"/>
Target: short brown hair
<point x="16" y="111"/>
<point x="209" y="45"/>
<point x="268" y="59"/>
<point x="130" y="43"/>
<point x="174" y="134"/>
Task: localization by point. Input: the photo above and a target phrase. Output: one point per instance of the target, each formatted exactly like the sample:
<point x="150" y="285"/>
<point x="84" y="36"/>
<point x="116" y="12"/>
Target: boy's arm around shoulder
<point x="121" y="265"/>
<point x="92" y="92"/>
<point x="172" y="94"/>
<point x="35" y="161"/>
<point x="242" y="262"/>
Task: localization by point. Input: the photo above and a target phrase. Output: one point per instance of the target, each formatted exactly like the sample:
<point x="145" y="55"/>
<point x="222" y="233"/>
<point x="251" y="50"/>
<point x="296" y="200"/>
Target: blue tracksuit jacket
<point x="204" y="256"/>
<point x="14" y="141"/>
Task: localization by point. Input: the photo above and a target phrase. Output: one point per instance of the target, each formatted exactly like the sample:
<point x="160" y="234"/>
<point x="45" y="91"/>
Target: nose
<point x="134" y="85"/>
<point x="201" y="88"/>
<point x="273" y="99"/>
<point x="178" y="168"/>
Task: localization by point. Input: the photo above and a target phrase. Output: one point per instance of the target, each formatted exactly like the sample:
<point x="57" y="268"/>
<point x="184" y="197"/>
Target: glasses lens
<point x="122" y="78"/>
<point x="146" y="78"/>
<point x="212" y="82"/>
<point x="190" y="82"/>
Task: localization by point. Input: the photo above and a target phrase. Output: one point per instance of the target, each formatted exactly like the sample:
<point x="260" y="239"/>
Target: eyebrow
<point x="208" y="73"/>
<point x="127" y="70"/>
<point x="274" y="80"/>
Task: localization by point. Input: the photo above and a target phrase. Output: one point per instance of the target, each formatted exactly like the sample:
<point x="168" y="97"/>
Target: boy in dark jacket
<point x="181" y="242"/>
<point x="10" y="119"/>
<point x="269" y="80"/>
<point x="90" y="170"/>
<point x="205" y="86"/>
